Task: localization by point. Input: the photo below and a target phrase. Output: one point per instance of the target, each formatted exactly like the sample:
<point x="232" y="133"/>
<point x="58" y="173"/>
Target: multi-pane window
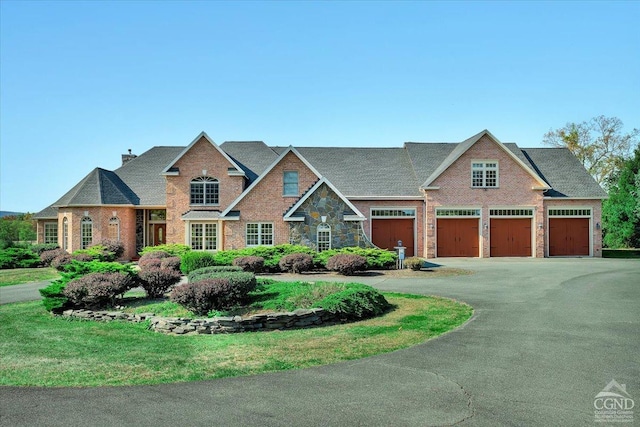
<point x="393" y="212"/>
<point x="113" y="231"/>
<point x="205" y="191"/>
<point x="324" y="237"/>
<point x="65" y="234"/>
<point x="511" y="212"/>
<point x="570" y="212"/>
<point x="290" y="183"/>
<point x="458" y="212"/>
<point x="484" y="174"/>
<point x="204" y="236"/>
<point x="259" y="233"/>
<point x="51" y="232"/>
<point x="86" y="232"/>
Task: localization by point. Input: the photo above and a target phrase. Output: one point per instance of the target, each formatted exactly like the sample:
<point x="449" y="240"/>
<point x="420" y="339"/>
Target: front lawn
<point x="18" y="276"/>
<point x="37" y="349"/>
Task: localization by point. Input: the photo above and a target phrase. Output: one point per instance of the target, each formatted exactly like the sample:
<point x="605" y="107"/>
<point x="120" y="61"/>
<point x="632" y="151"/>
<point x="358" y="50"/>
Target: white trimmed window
<point x="50" y="232"/>
<point x="259" y="233"/>
<point x="290" y="183"/>
<point x="86" y="232"/>
<point x="205" y="191"/>
<point x="484" y="174"/>
<point x="324" y="237"/>
<point x="203" y="236"/>
<point x="65" y="234"/>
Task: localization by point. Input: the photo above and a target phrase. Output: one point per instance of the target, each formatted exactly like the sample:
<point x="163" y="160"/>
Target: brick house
<point x="476" y="198"/>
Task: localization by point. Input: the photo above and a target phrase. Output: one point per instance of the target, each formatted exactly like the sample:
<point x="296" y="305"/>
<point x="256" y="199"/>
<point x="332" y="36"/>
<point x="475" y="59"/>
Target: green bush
<point x="413" y="263"/>
<point x="195" y="259"/>
<point x="173" y="249"/>
<point x="377" y="259"/>
<point x="18" y="258"/>
<point x="97" y="252"/>
<point x="210" y="272"/>
<point x="53" y="297"/>
<point x="41" y="247"/>
<point x="271" y="254"/>
<point x="355" y="302"/>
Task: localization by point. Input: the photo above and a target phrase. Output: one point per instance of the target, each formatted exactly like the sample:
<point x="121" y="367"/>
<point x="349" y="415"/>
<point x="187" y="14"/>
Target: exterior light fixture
<point x="323" y="218"/>
<point x="597" y="226"/>
<point x="540" y="226"/>
<point x="86" y="213"/>
<point x="204" y="172"/>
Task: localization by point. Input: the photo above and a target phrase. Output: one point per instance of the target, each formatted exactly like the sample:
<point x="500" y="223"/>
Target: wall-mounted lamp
<point x="431" y="226"/>
<point x="486" y="226"/>
<point x="540" y="226"/>
<point x="204" y="172"/>
<point x="323" y="218"/>
<point x="597" y="226"/>
<point x="86" y="213"/>
<point x="114" y="213"/>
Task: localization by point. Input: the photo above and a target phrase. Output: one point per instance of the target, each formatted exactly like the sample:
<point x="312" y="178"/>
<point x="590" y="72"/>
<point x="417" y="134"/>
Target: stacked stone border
<point x="301" y="318"/>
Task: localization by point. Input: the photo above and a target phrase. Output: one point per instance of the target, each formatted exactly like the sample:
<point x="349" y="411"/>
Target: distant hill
<point x="7" y="213"/>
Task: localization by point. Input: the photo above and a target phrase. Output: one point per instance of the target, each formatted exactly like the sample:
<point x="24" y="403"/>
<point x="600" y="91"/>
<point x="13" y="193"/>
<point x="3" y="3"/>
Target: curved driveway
<point x="546" y="337"/>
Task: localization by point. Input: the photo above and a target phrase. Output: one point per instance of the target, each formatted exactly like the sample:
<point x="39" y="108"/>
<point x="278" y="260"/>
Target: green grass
<point x="37" y="349"/>
<point x="26" y="275"/>
<point x="621" y="253"/>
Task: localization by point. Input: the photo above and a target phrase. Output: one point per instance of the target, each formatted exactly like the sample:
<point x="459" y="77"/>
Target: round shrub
<point x="210" y="272"/>
<point x="158" y="281"/>
<point x="347" y="264"/>
<point x="355" y="302"/>
<point x="97" y="289"/>
<point x="152" y="259"/>
<point x="296" y="263"/>
<point x="204" y="296"/>
<point x="413" y="263"/>
<point x="172" y="263"/>
<point x="83" y="257"/>
<point x="254" y="264"/>
<point x="41" y="247"/>
<point x="46" y="257"/>
<point x="60" y="261"/>
<point x="113" y="247"/>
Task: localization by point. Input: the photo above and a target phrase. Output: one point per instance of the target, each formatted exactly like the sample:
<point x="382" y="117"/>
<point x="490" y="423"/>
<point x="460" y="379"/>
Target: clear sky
<point x="82" y="82"/>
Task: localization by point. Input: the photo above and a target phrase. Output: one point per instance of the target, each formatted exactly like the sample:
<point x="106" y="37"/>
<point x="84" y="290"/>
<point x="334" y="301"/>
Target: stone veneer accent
<point x="325" y="202"/>
<point x="302" y="318"/>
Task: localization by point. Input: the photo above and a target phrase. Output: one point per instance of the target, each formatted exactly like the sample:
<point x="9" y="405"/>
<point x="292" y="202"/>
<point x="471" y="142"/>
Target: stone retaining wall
<point x="302" y="318"/>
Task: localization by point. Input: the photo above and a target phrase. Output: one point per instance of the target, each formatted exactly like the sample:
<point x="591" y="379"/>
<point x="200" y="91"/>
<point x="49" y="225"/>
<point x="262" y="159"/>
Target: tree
<point x="599" y="144"/>
<point x="17" y="228"/>
<point x="621" y="211"/>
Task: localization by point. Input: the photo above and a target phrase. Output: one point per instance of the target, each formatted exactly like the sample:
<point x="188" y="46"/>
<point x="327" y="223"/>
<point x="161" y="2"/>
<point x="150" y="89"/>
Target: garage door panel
<point x="385" y="234"/>
<point x="458" y="237"/>
<point x="510" y="237"/>
<point x="569" y="237"/>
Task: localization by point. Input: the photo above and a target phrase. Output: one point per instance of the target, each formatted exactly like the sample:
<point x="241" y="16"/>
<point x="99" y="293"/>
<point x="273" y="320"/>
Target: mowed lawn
<point x="18" y="276"/>
<point x="38" y="349"/>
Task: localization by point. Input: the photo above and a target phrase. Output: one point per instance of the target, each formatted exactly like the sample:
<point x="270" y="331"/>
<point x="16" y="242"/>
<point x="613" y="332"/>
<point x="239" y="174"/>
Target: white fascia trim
<point x="204" y="135"/>
<point x="314" y="188"/>
<point x="561" y="199"/>
<point x="353" y="218"/>
<point x="294" y="219"/>
<point x="385" y="198"/>
<point x="266" y="172"/>
<point x="176" y="173"/>
<point x="230" y="218"/>
<point x="465" y="145"/>
<point x="435" y="187"/>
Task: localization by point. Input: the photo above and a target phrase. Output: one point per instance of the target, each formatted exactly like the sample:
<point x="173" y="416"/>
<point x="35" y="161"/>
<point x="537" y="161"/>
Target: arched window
<point x="86" y="232"/>
<point x="65" y="234"/>
<point x="113" y="232"/>
<point x="204" y="191"/>
<point x="324" y="237"/>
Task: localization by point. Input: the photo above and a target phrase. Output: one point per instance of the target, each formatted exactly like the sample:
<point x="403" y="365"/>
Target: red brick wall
<point x="265" y="203"/>
<point x="596" y="218"/>
<point x="202" y="156"/>
<point x="515" y="189"/>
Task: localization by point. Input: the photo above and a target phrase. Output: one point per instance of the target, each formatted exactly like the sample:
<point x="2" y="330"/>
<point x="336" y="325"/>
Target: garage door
<point x="458" y="237"/>
<point x="568" y="236"/>
<point x="385" y="233"/>
<point x="510" y="237"/>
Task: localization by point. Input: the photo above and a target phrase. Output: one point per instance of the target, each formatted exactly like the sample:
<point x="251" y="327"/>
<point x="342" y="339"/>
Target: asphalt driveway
<point x="546" y="337"/>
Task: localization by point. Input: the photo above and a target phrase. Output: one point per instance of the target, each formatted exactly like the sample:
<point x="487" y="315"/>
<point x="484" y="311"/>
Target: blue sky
<point x="82" y="82"/>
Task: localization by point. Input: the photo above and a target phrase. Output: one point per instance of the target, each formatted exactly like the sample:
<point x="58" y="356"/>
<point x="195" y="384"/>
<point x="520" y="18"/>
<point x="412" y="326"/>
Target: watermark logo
<point x="613" y="404"/>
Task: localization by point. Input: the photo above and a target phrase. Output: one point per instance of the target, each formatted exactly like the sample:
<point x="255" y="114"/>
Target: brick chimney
<point x="128" y="157"/>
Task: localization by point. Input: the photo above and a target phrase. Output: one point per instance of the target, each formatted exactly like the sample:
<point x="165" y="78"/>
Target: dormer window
<point x="484" y="174"/>
<point x="204" y="191"/>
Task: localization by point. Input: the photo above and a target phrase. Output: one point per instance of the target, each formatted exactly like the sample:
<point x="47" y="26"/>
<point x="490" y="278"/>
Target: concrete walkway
<point x="546" y="337"/>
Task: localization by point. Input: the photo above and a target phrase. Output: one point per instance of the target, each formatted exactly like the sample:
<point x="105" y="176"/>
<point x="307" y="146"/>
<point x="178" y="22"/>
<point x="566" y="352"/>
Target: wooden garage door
<point x="510" y="237"/>
<point x="385" y="233"/>
<point x="458" y="237"/>
<point x="568" y="236"/>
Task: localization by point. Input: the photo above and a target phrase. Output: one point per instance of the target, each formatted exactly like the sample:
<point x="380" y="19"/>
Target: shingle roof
<point x="47" y="213"/>
<point x="254" y="157"/>
<point x="99" y="187"/>
<point x="564" y="173"/>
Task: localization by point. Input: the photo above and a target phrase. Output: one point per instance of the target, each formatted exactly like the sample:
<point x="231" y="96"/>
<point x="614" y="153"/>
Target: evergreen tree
<point x="621" y="212"/>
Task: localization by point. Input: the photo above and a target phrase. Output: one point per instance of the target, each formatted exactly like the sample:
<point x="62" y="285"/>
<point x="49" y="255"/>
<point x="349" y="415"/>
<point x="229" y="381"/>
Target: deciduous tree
<point x="599" y="144"/>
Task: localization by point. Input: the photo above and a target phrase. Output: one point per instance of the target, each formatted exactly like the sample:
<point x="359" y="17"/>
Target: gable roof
<point x="254" y="157"/>
<point x="462" y="148"/>
<point x="99" y="187"/>
<point x="266" y="172"/>
<point x="313" y="189"/>
<point x="167" y="170"/>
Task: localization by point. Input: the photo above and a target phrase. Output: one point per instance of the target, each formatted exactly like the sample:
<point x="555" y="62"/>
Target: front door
<point x="159" y="234"/>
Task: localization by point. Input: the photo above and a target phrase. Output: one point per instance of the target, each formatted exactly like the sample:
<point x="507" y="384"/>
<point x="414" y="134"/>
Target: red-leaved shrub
<point x="97" y="290"/>
<point x="158" y="281"/>
<point x="347" y="264"/>
<point x="47" y="256"/>
<point x="296" y="263"/>
<point x="254" y="264"/>
<point x="204" y="296"/>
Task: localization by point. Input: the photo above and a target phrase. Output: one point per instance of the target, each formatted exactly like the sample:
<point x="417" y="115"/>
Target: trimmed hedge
<point x="158" y="281"/>
<point x="174" y="249"/>
<point x="347" y="264"/>
<point x="296" y="263"/>
<point x="211" y="272"/>
<point x="18" y="258"/>
<point x="97" y="290"/>
<point x="355" y="302"/>
<point x="413" y="263"/>
<point x="377" y="259"/>
<point x="254" y="264"/>
<point x="196" y="259"/>
<point x="204" y="296"/>
<point x="271" y="254"/>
